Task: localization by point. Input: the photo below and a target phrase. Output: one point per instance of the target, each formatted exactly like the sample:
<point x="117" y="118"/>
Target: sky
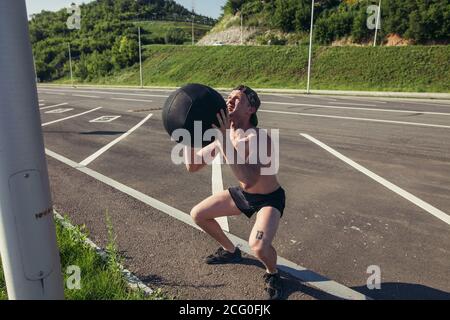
<point x="210" y="8"/>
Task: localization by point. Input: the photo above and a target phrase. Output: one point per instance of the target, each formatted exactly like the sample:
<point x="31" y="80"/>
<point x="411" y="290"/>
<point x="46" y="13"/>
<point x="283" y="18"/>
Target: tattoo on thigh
<point x="259" y="235"/>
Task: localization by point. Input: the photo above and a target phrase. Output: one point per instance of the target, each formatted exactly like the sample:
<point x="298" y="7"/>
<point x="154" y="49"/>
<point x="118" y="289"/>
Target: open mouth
<point x="231" y="112"/>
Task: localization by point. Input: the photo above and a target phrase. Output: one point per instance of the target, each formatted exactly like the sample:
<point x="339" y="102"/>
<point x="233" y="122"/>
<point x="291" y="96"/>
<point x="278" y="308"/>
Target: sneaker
<point x="222" y="256"/>
<point x="274" y="286"/>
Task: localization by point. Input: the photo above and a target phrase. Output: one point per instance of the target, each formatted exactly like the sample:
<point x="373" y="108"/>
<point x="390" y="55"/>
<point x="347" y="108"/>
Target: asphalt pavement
<point x="367" y="182"/>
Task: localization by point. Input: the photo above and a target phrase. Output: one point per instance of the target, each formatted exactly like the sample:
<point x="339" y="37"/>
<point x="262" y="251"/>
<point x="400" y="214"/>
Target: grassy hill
<point x="414" y="68"/>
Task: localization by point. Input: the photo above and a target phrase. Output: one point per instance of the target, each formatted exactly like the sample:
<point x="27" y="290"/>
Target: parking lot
<point x="367" y="183"/>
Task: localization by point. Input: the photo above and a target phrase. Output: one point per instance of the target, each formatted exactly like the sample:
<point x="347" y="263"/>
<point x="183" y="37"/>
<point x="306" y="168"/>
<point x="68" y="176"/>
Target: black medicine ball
<point x="193" y="102"/>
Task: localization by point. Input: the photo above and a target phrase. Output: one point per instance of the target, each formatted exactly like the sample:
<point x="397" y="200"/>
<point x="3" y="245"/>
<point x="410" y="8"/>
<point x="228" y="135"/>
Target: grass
<point x="159" y="29"/>
<point x="100" y="279"/>
<point x="217" y="66"/>
<point x="412" y="68"/>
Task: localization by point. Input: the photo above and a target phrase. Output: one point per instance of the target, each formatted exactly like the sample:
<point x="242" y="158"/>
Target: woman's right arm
<point x="195" y="158"/>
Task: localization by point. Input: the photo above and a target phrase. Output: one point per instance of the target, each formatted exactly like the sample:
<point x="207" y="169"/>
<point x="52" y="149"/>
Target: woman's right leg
<point x="218" y="205"/>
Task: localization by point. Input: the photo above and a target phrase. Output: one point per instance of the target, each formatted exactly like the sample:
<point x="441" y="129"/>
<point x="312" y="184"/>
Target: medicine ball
<point x="193" y="102"/>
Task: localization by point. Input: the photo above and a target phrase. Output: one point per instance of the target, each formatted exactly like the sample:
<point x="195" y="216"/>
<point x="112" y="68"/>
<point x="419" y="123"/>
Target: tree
<point x="233" y="6"/>
<point x="107" y="33"/>
<point x="175" y="36"/>
<point x="124" y="52"/>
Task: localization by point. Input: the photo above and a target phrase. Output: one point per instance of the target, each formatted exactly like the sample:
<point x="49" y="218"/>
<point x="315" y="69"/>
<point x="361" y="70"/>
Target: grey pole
<point x="193" y="18"/>
<point x="242" y="28"/>
<point x="28" y="245"/>
<point x="377" y="25"/>
<point x="70" y="64"/>
<point x="310" y="48"/>
<point x="140" y="56"/>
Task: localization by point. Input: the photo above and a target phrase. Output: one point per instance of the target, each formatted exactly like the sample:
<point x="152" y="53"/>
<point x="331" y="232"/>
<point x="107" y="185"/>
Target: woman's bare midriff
<point x="264" y="185"/>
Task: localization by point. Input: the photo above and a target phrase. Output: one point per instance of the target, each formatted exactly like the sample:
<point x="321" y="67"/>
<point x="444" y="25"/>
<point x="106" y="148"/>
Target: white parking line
<point x="356" y="104"/>
<point x="129" y="89"/>
<point x="278" y="95"/>
<point x="329" y="99"/>
<point x="217" y="186"/>
<point x="360" y="99"/>
<point x="54" y="93"/>
<point x="358" y="119"/>
<point x="360" y="109"/>
<point x="124" y="99"/>
<point x="405" y="194"/>
<point x="97" y="154"/>
<point x="41" y="104"/>
<point x="318" y="97"/>
<point x="70" y="117"/>
<point x="61" y="110"/>
<point x="423" y="103"/>
<point x="116" y="93"/>
<point x="53" y="106"/>
<point x="85" y="96"/>
<point x="309" y="277"/>
<point x="104" y="119"/>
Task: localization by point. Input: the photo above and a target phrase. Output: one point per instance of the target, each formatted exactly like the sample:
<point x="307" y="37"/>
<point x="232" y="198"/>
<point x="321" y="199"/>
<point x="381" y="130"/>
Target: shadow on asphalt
<point x="388" y="291"/>
<point x="157" y="280"/>
<point x="292" y="285"/>
<point x="404" y="291"/>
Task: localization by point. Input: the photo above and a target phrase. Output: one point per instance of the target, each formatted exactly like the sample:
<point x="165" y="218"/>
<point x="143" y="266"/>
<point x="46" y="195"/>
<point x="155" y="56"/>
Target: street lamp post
<point x="193" y="20"/>
<point x="377" y="24"/>
<point x="28" y="245"/>
<point x="242" y="27"/>
<point x="70" y="65"/>
<point x="140" y="57"/>
<point x="310" y="48"/>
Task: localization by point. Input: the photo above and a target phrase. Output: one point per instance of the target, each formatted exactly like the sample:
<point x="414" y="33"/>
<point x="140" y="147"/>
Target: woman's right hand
<point x="224" y="122"/>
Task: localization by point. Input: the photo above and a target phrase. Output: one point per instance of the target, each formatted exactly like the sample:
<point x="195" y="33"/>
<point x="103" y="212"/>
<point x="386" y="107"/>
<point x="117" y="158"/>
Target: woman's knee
<point x="198" y="214"/>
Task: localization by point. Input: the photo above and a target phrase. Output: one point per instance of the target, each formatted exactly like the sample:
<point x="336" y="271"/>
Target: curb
<point x="133" y="281"/>
<point x="385" y="94"/>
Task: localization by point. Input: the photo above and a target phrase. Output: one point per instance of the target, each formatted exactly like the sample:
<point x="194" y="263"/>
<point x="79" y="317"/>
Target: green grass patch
<point x="100" y="279"/>
<point x="218" y="66"/>
<point x="412" y="68"/>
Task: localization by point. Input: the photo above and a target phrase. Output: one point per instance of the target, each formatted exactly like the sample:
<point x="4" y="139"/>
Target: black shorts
<point x="249" y="203"/>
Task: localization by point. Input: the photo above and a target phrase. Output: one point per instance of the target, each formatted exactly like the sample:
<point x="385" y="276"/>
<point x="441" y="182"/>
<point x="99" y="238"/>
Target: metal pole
<point x="70" y="64"/>
<point x="377" y="25"/>
<point x="28" y="245"/>
<point x="310" y="48"/>
<point x="242" y="29"/>
<point x="193" y="18"/>
<point x="140" y="56"/>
